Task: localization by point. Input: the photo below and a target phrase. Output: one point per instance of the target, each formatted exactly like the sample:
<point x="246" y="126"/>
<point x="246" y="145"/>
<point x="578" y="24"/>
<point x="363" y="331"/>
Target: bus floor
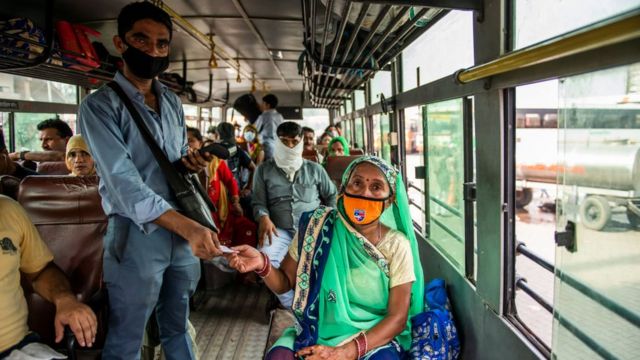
<point x="230" y="323"/>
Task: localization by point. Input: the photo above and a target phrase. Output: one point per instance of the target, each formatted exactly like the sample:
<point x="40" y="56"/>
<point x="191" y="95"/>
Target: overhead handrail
<point x="199" y="36"/>
<point x="615" y="31"/>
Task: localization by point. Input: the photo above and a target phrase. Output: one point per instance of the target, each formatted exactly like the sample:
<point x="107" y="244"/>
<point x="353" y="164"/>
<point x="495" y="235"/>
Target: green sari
<point x="342" y="284"/>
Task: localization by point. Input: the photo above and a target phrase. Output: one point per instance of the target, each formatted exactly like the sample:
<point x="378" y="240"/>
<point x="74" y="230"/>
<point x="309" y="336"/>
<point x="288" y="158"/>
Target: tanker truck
<point x="598" y="181"/>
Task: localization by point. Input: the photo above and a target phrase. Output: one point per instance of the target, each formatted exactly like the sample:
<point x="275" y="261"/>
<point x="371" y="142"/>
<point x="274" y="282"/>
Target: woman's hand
<point x="236" y="208"/>
<point x="347" y="351"/>
<point x="246" y="259"/>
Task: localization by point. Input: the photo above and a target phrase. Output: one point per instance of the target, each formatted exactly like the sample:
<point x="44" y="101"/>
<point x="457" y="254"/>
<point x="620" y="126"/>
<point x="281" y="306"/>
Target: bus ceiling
<point x="234" y="47"/>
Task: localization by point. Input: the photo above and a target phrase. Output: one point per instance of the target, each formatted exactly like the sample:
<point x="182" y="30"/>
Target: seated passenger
<point x="309" y="142"/>
<point x="238" y="161"/>
<point x="323" y="142"/>
<point x="54" y="135"/>
<point x="338" y="146"/>
<point x="79" y="160"/>
<point x="285" y="187"/>
<point x="332" y="130"/>
<point x="254" y="148"/>
<point x="360" y="280"/>
<point x="23" y="251"/>
<point x="8" y="166"/>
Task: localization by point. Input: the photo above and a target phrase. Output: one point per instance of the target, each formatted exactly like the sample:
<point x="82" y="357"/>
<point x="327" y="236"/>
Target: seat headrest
<point x="336" y="165"/>
<point x="9" y="186"/>
<point x="61" y="199"/>
<point x="356" y="151"/>
<point x="53" y="168"/>
<point x="311" y="155"/>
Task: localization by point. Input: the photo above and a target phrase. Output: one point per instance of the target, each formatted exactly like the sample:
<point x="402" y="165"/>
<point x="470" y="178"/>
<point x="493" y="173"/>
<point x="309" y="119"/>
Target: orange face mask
<point x="362" y="210"/>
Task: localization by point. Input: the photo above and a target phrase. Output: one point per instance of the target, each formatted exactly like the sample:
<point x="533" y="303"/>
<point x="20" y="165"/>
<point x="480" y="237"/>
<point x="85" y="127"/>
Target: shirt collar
<point x="132" y="92"/>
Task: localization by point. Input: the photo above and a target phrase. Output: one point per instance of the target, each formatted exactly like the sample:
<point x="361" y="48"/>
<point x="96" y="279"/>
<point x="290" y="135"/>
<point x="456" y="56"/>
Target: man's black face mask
<point x="142" y="64"/>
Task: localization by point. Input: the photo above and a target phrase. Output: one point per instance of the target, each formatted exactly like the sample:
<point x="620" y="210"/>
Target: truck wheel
<point x="595" y="212"/>
<point x="523" y="197"/>
<point x="634" y="220"/>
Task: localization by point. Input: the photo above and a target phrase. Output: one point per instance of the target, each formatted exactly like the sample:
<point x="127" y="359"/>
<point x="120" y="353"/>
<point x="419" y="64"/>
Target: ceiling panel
<point x="273" y="8"/>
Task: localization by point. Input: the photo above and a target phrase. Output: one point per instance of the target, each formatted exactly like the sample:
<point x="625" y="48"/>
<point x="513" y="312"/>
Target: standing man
<point x="54" y="135"/>
<point x="267" y="123"/>
<point x="283" y="188"/>
<point x="149" y="253"/>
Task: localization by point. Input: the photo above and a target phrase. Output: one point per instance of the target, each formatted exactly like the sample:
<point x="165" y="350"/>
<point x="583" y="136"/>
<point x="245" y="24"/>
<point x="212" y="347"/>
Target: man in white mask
<point x="285" y="187"/>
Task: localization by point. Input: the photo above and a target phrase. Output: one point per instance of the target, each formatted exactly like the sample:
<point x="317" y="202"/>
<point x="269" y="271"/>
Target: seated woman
<point x="78" y="159"/>
<point x="355" y="270"/>
<point x="338" y="146"/>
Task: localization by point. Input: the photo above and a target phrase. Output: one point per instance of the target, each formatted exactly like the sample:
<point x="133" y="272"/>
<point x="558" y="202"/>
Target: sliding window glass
<point x="538" y="20"/>
<point x="445" y="162"/>
<point x="26" y="131"/>
<point x="29" y="89"/>
<point x="442" y="50"/>
<point x="380" y="84"/>
<point x="358" y="99"/>
<point x="359" y="133"/>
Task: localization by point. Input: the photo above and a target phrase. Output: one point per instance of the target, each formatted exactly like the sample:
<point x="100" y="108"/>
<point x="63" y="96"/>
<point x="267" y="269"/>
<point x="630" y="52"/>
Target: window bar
<point x="446" y="206"/>
<point x="521" y="283"/>
<point x="469" y="197"/>
<point x="447" y="230"/>
<point x="412" y="185"/>
<point x="524" y="250"/>
<point x="584" y="338"/>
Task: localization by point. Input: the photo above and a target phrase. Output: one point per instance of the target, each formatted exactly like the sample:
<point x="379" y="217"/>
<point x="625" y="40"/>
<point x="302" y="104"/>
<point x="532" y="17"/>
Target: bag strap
<point x="176" y="181"/>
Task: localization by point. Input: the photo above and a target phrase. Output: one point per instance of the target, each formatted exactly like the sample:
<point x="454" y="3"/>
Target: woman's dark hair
<point x="142" y="10"/>
<point x="271" y="99"/>
<point x="3" y="145"/>
<point x="289" y="129"/>
<point x="226" y="131"/>
<point x="64" y="131"/>
<point x="195" y="132"/>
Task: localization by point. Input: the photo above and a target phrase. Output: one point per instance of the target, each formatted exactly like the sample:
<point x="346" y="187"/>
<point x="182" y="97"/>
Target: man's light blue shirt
<point x="267" y="124"/>
<point x="131" y="181"/>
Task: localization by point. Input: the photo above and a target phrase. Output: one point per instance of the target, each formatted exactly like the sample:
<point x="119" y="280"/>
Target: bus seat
<point x="311" y="155"/>
<point x="68" y="214"/>
<point x="53" y="168"/>
<point x="356" y="151"/>
<point x="28" y="164"/>
<point x="9" y="186"/>
<point x="336" y="165"/>
<point x="281" y="319"/>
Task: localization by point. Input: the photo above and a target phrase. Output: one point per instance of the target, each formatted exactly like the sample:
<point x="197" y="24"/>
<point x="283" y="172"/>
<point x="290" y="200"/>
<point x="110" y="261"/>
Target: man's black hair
<point x="142" y="10"/>
<point x="271" y="99"/>
<point x="195" y="132"/>
<point x="64" y="131"/>
<point x="211" y="129"/>
<point x="3" y="145"/>
<point x="289" y="129"/>
<point x="227" y="132"/>
<point x="308" y="129"/>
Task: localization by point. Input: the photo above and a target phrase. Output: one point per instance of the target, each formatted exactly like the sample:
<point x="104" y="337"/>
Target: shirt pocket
<point x="306" y="192"/>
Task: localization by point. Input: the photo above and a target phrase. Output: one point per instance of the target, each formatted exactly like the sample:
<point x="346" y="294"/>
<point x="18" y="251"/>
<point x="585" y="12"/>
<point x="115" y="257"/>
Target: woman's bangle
<point x="361" y="344"/>
<point x="266" y="268"/>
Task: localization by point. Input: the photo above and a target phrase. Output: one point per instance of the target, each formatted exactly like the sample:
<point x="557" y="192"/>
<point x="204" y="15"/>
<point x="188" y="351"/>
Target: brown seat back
<point x="9" y="186"/>
<point x="356" y="151"/>
<point x="53" y="168"/>
<point x="67" y="212"/>
<point x="336" y="165"/>
<point x="311" y="155"/>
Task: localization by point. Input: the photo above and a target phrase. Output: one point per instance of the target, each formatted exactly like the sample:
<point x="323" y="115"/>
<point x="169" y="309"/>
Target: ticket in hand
<point x="227" y="250"/>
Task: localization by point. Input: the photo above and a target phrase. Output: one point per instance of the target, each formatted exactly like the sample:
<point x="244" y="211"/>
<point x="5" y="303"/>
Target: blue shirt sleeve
<point x="98" y="124"/>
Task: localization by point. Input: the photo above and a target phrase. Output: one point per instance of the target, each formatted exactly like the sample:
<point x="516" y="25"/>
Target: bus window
<point x="31" y="89"/>
<point x="359" y="133"/>
<point x="381" y="83"/>
<point x="538" y="20"/>
<point x="414" y="149"/>
<point x="446" y="174"/>
<point x="26" y="132"/>
<point x="190" y="115"/>
<point x="381" y="141"/>
<point x="358" y="99"/>
<point x="450" y="44"/>
<point x="315" y="118"/>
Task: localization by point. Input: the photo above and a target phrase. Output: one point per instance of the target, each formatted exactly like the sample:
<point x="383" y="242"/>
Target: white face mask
<point x="249" y="136"/>
<point x="288" y="159"/>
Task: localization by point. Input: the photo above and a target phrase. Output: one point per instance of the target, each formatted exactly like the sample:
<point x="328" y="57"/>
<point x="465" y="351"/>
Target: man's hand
<point x="79" y="317"/>
<point x="15" y="156"/>
<point x="266" y="229"/>
<point x="204" y="242"/>
<point x="320" y="352"/>
<point x="196" y="162"/>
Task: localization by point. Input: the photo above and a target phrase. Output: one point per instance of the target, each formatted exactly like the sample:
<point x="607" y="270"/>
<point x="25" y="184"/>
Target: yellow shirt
<point x="396" y="249"/>
<point x="21" y="249"/>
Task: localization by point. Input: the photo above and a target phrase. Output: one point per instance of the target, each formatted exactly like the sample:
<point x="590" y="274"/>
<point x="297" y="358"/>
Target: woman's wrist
<point x="350" y="350"/>
<point x="265" y="269"/>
